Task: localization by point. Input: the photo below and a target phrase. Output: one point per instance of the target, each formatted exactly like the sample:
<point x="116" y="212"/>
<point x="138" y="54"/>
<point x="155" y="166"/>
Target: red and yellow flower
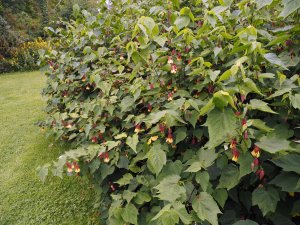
<point x="170" y="96"/>
<point x="94" y="139"/>
<point x="233" y="143"/>
<point x="104" y="156"/>
<point x="162" y="127"/>
<point x="244" y="124"/>
<point x="256" y="152"/>
<point x="173" y="68"/>
<point x="170" y="139"/>
<point x="149" y="107"/>
<point x="235" y="155"/>
<point x="170" y="60"/>
<point x="137" y="128"/>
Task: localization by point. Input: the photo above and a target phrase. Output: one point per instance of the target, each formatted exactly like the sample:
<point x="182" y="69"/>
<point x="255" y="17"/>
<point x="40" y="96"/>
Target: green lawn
<point x="23" y="147"/>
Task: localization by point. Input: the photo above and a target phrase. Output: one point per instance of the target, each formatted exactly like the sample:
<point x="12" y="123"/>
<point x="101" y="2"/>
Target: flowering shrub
<point x="181" y="112"/>
<point x="23" y="57"/>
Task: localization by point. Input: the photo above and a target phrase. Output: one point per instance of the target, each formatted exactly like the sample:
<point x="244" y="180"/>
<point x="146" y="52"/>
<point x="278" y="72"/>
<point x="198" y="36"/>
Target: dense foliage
<point x="22" y="23"/>
<point x="181" y="112"/>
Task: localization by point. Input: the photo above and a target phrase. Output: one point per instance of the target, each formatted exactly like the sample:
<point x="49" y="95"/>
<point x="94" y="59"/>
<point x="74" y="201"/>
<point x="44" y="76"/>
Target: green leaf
<point x="225" y="76"/>
<point x="217" y="121"/>
<point x="279" y="93"/>
<point x="248" y="35"/>
<point x="187" y="12"/>
<point x="245" y="161"/>
<point x="211" y="19"/>
<point x="217" y="50"/>
<point x="121" y="68"/>
<point x="149" y="23"/>
<point x="252" y="86"/>
<point x="266" y="198"/>
<point x="202" y="178"/>
<point x="106" y="170"/>
<point x="289" y="163"/>
<point x="246" y="199"/>
<point x="279" y="39"/>
<point x="94" y="165"/>
<point x="193" y="103"/>
<point x="196" y="71"/>
<point x="213" y="74"/>
<point x="175" y="104"/>
<point x="161" y="40"/>
<point x="182" y="21"/>
<point x="229" y="177"/>
<point x="43" y="172"/>
<point x="169" y="189"/>
<point x="219" y="9"/>
<point x="130" y="213"/>
<point x="222" y="98"/>
<point x="266" y="75"/>
<point x="180" y="209"/>
<point x="295" y="101"/>
<point x="273" y="144"/>
<point x="125" y="179"/>
<point x="194" y="167"/>
<point x="156" y="158"/>
<point x="274" y="59"/>
<point x="192" y="117"/>
<point x="176" y="3"/>
<point x="180" y="134"/>
<point x="89" y="58"/>
<point x="288" y="182"/>
<point x="279" y="219"/>
<point x="155" y="117"/>
<point x="205" y="109"/>
<point x="290" y="6"/>
<point x="260" y="105"/>
<point x="129" y="195"/>
<point x="245" y="222"/>
<point x="169" y="218"/>
<point x="206" y="208"/>
<point x="116" y="218"/>
<point x="259" y="124"/>
<point x="262" y="3"/>
<point x="204" y="159"/>
<point x="59" y="165"/>
<point x="142" y="197"/>
<point x="165" y="209"/>
<point x="120" y="136"/>
<point x="221" y="196"/>
<point x="126" y="103"/>
<point x="132" y="141"/>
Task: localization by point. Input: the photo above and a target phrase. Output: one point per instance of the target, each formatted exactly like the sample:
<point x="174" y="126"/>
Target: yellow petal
<point x="234" y="158"/>
<point x="154" y="138"/>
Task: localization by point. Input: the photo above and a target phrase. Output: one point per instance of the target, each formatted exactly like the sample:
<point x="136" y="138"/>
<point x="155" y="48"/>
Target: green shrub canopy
<point x="181" y="112"/>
